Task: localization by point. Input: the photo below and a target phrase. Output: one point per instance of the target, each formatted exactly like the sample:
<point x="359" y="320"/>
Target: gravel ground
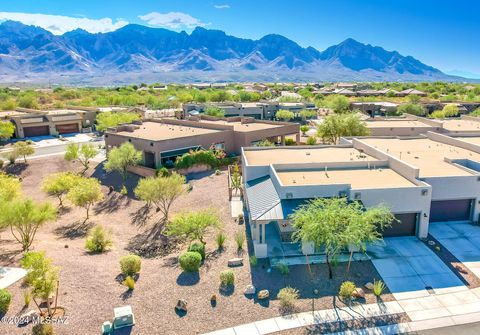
<point x="90" y="286"/>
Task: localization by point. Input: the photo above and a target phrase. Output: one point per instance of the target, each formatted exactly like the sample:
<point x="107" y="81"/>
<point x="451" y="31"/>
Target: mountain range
<point x="136" y="53"/>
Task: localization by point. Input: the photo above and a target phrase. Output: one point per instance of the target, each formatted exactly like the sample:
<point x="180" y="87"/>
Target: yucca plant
<point x="378" y="287"/>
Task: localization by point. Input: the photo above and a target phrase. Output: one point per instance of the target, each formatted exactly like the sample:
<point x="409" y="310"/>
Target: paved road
<point x="54" y="149"/>
<point x="468" y="329"/>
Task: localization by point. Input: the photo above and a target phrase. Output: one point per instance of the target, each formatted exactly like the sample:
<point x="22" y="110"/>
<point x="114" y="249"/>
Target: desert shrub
<point x="287" y="297"/>
<point x="190" y="261"/>
<point x="346" y="289"/>
<point x="220" y="239"/>
<point x="198" y="157"/>
<point x="283" y="268"/>
<point x="162" y="172"/>
<point x="130" y="265"/>
<point x="5" y="299"/>
<point x="290" y="141"/>
<point x="378" y="287"/>
<point x="27" y="297"/>
<point x="437" y="115"/>
<point x="239" y="239"/>
<point x="413" y="109"/>
<point x="129" y="282"/>
<point x="198" y="247"/>
<point x="123" y="190"/>
<point x="43" y="329"/>
<point x="98" y="240"/>
<point x="253" y="261"/>
<point x="227" y="277"/>
<point x="311" y="140"/>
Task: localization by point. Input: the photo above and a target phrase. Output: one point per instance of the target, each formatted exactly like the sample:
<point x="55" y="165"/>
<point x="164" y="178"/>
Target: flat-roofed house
<point x="428" y="178"/>
<point x="399" y="127"/>
<point x="162" y="140"/>
<point x="278" y="180"/>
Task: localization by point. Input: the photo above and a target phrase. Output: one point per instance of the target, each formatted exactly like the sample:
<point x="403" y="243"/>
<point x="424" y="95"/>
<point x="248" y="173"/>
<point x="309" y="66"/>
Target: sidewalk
<point x="434" y="311"/>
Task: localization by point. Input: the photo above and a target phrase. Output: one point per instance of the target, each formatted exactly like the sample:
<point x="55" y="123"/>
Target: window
<point x="219" y="146"/>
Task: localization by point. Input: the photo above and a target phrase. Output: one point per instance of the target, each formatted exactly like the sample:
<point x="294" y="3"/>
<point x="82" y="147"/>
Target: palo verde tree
<point x="339" y="103"/>
<point x="23" y="149"/>
<point x="193" y="225"/>
<point x="121" y="158"/>
<point x="85" y="193"/>
<point x="59" y="184"/>
<point x="284" y="115"/>
<point x="161" y="191"/>
<point x="335" y="224"/>
<point x="113" y="119"/>
<point x="214" y="111"/>
<point x="7" y="129"/>
<point x="42" y="277"/>
<point x="10" y="188"/>
<point x="24" y="217"/>
<point x="83" y="154"/>
<point x="338" y="125"/>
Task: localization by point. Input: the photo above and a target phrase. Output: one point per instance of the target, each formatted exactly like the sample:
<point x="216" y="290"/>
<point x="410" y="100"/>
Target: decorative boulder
<point x="263" y="294"/>
<point x="461" y="269"/>
<point x="235" y="262"/>
<point x="249" y="289"/>
<point x="359" y="293"/>
<point x="369" y="286"/>
<point x="181" y="305"/>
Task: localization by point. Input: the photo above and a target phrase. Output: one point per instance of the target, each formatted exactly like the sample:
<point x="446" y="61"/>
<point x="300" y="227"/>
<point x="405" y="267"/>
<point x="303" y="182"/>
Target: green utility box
<point x="107" y="328"/>
<point x="123" y="317"/>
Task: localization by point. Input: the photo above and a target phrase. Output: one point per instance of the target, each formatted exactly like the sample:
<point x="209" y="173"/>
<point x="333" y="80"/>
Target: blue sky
<point x="444" y="34"/>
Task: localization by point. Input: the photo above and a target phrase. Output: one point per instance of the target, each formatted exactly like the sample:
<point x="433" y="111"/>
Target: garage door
<point x="450" y="210"/>
<point x="36" y="131"/>
<point x="405" y="226"/>
<point x="67" y="128"/>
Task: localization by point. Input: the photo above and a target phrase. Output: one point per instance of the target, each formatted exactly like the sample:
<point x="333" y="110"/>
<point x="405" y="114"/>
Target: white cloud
<point x="173" y="20"/>
<point x="221" y="6"/>
<point x="59" y="24"/>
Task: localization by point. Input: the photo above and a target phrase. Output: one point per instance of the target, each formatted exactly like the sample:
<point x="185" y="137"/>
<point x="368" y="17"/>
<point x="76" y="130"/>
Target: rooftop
<point x="357" y="178"/>
<point x="474" y="140"/>
<point x="427" y="155"/>
<point x="244" y="127"/>
<point x="156" y="131"/>
<point x="298" y="155"/>
<point x="461" y="125"/>
<point x="396" y="123"/>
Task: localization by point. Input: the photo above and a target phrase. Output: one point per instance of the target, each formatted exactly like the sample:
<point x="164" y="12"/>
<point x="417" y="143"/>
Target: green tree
<point x="161" y="191"/>
<point x="193" y="225"/>
<point x="83" y="153"/>
<point x="59" y="184"/>
<point x="339" y="103"/>
<point x="304" y="128"/>
<point x="112" y="119"/>
<point x="7" y="129"/>
<point x="85" y="193"/>
<point x="41" y="276"/>
<point x="339" y="125"/>
<point x="335" y="224"/>
<point x="450" y="110"/>
<point x="414" y="99"/>
<point x="311" y="140"/>
<point x="24" y="217"/>
<point x="121" y="158"/>
<point x="308" y="114"/>
<point x="413" y="109"/>
<point x="23" y="149"/>
<point x="214" y="111"/>
<point x="476" y="112"/>
<point x="437" y="115"/>
<point x="10" y="188"/>
<point x="284" y="115"/>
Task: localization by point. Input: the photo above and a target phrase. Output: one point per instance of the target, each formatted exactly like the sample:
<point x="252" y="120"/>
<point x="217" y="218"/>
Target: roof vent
<point x="307" y="153"/>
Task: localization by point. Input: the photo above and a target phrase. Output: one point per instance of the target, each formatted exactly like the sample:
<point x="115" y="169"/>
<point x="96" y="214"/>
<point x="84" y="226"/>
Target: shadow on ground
<point x="114" y="179"/>
<point x="188" y="278"/>
<point x="152" y="243"/>
<point x="75" y="230"/>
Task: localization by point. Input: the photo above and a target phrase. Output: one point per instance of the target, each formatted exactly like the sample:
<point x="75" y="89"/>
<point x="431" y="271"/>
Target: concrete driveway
<point x="408" y="268"/>
<point x="462" y="240"/>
